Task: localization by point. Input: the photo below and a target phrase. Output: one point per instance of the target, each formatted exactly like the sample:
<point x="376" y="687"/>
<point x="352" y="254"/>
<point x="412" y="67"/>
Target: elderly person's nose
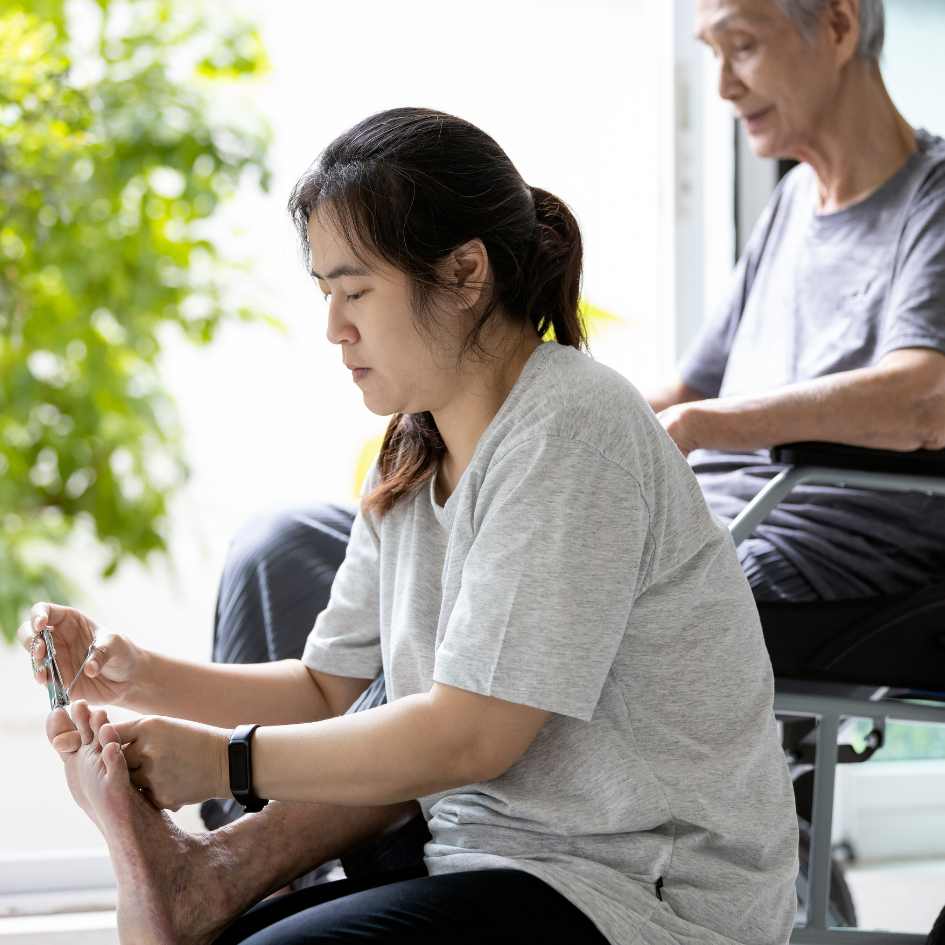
<point x="730" y="86"/>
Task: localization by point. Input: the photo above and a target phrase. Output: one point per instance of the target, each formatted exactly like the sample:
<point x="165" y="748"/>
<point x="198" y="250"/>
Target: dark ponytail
<point x="411" y="185"/>
<point x="552" y="288"/>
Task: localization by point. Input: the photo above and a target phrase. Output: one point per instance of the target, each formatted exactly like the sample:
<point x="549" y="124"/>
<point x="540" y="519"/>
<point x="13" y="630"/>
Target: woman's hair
<point x="410" y="185"/>
<point x="806" y="13"/>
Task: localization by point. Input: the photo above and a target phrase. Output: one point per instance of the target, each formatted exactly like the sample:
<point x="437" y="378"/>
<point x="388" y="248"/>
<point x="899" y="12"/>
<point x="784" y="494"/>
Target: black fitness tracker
<point x="241" y="769"/>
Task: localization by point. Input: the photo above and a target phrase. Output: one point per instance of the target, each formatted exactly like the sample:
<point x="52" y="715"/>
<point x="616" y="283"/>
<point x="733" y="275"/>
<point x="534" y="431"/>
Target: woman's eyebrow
<point x="339" y="271"/>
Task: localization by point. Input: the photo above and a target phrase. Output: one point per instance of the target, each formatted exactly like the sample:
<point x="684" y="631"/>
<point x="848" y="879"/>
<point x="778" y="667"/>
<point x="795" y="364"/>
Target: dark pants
<point x="407" y="906"/>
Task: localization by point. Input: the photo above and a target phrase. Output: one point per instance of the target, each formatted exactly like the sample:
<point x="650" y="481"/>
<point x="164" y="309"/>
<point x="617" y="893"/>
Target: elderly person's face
<point x="780" y="83"/>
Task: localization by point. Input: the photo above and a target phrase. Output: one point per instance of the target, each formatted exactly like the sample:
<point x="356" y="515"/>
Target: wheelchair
<point x="853" y="660"/>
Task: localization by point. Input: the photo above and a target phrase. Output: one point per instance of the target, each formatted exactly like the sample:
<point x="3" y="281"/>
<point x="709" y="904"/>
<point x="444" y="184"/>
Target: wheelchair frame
<point x="828" y="703"/>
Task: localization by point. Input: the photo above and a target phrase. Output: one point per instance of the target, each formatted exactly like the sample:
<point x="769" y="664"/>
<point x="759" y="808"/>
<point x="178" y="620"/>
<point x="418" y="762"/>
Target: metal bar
<point x="885" y="482"/>
<point x="757" y="510"/>
<point x="805" y="936"/>
<point x="815" y="705"/>
<point x="825" y="772"/>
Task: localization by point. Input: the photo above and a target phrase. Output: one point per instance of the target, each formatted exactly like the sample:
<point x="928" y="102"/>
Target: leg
<point x="490" y="905"/>
<point x="276" y="580"/>
<point x="176" y="893"/>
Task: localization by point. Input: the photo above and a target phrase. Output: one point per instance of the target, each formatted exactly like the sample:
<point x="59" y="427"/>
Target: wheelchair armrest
<point x="863" y="459"/>
<point x="841" y="465"/>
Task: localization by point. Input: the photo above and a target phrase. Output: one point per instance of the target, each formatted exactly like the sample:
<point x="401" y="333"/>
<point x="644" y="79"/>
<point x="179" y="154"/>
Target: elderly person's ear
<point x="843" y="28"/>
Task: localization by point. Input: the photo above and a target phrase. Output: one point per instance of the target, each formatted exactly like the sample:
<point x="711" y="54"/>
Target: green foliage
<point x="114" y="154"/>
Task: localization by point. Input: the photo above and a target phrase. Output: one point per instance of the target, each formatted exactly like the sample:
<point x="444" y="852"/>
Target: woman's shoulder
<point x="581" y="399"/>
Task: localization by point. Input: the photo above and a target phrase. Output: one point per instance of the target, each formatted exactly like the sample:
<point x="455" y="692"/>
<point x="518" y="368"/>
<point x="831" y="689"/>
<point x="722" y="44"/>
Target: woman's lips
<point x="358" y="373"/>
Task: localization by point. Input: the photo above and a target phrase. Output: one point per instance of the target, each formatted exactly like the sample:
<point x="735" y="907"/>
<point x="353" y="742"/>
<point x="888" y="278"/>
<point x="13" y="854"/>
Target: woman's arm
<point x="123" y="674"/>
<point x="412" y="747"/>
<point x="227" y="694"/>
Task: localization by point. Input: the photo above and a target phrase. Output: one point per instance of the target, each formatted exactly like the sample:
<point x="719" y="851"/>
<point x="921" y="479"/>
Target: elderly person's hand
<point x="106" y="677"/>
<point x="681" y="422"/>
<point x="175" y="762"/>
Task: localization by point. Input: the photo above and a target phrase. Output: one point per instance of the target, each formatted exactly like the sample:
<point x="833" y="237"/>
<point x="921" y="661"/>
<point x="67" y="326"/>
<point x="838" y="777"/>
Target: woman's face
<point x="370" y="317"/>
<point x="780" y="83"/>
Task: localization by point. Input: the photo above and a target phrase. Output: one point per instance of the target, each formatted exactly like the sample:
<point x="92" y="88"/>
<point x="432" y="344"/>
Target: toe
<point x="82" y="718"/>
<point x="111" y="751"/>
<point x="61" y="732"/>
<point x="97" y="719"/>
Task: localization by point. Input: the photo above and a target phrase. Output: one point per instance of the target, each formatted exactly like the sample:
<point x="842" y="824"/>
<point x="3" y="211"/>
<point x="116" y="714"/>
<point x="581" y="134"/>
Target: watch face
<point x="239" y="767"/>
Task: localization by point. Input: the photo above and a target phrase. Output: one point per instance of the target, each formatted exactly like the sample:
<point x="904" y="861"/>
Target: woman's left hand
<point x="176" y="762"/>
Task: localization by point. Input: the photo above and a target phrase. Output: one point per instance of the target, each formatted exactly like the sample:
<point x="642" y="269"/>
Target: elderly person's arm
<point x="679" y="392"/>
<point x="897" y="404"/>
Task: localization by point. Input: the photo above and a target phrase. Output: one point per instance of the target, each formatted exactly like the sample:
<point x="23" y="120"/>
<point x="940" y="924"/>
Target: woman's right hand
<point x="108" y="675"/>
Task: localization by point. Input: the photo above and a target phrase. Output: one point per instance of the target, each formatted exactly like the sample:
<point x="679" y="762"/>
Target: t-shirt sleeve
<point x="916" y="314"/>
<point x="346" y="638"/>
<point x="703" y="366"/>
<point x="550" y="578"/>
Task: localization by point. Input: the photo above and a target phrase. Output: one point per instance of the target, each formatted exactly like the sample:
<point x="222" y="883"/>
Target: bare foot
<point x="168" y="884"/>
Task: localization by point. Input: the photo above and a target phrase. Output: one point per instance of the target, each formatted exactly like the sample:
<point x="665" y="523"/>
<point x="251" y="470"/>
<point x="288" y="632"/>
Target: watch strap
<point x="240" y="758"/>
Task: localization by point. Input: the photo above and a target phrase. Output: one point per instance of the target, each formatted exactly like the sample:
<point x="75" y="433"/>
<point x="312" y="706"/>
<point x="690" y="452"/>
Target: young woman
<point x="578" y="690"/>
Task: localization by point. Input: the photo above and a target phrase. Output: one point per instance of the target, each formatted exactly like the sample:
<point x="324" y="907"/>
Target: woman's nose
<point x="339" y="327"/>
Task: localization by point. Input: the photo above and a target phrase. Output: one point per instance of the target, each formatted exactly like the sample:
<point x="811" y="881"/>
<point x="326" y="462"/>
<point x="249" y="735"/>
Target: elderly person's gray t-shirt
<point x="576" y="568"/>
<point x="815" y="294"/>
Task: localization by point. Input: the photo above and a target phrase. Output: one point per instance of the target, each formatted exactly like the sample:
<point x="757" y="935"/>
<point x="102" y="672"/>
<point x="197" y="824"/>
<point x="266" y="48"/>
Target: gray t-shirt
<point x="576" y="568"/>
<point x="815" y="294"/>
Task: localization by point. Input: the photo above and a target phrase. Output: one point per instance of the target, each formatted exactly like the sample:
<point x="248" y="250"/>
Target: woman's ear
<point x="467" y="270"/>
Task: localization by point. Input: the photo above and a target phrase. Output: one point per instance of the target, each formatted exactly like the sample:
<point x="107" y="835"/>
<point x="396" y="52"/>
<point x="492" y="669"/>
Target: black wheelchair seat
<point x="883" y="641"/>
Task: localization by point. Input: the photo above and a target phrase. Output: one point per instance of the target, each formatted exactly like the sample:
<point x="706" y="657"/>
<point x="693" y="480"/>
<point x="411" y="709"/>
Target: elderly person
<point x="833" y="331"/>
<point x="834" y="325"/>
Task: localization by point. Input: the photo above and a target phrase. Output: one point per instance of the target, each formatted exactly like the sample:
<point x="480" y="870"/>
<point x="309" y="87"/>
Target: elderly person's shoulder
<point x="930" y="161"/>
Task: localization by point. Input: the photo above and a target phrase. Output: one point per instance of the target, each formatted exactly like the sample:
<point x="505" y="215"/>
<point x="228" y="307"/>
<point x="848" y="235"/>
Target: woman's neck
<point x="479" y="398"/>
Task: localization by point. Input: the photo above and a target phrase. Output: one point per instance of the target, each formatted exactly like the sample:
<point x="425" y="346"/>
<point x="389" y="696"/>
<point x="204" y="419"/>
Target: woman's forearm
<point x="226" y="694"/>
<point x="386" y="755"/>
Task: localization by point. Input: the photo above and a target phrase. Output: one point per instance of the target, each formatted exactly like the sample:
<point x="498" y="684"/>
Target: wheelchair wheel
<point x="937" y="935"/>
<point x="841" y="911"/>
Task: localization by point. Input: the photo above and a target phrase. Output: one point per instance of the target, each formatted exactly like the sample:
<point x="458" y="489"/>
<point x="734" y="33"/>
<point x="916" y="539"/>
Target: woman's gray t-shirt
<point x="577" y="569"/>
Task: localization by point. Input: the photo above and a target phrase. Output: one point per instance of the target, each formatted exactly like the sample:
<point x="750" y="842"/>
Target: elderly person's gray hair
<point x="805" y="14"/>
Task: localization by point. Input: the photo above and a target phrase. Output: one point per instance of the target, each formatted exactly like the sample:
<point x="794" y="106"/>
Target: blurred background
<point x="164" y="371"/>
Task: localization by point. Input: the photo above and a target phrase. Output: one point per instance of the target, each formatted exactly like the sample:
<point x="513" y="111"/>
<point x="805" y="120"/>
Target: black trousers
<point x="480" y="907"/>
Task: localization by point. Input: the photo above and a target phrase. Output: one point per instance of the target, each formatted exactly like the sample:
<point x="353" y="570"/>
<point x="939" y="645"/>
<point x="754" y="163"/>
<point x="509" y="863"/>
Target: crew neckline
<point x="923" y="141"/>
<point x="444" y="513"/>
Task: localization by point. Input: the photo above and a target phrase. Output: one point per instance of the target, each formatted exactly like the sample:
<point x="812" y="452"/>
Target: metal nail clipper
<point x="58" y="691"/>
